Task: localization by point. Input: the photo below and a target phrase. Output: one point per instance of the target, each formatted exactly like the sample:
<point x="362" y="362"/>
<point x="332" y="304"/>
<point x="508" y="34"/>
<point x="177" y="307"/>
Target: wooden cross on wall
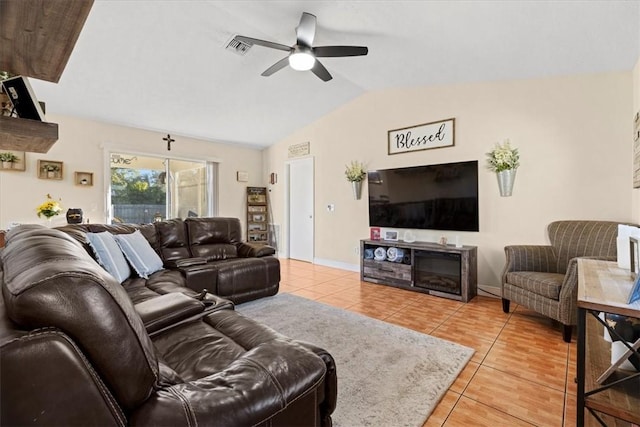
<point x="169" y="141"/>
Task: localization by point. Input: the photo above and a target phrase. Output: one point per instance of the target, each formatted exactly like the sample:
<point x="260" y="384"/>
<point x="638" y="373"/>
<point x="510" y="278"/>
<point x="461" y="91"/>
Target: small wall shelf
<point x="27" y="135"/>
<point x="83" y="179"/>
<point x="50" y="169"/>
<point x="17" y="166"/>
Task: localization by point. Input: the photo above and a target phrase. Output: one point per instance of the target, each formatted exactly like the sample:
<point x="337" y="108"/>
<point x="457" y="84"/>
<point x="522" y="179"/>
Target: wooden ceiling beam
<point x="38" y="36"/>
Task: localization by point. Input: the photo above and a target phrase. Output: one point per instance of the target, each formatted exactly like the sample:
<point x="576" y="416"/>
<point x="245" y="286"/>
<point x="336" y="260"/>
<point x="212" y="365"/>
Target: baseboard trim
<point x="336" y="264"/>
<point x="490" y="291"/>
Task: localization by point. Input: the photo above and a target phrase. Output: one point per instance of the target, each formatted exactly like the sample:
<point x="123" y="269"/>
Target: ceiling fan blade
<point x="333" y="51"/>
<point x="319" y="70"/>
<point x="276" y="67"/>
<point x="306" y="30"/>
<point x="272" y="45"/>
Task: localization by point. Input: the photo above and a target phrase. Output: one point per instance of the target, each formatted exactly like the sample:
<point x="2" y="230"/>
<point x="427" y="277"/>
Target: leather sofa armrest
<point x="330" y="400"/>
<point x="39" y="369"/>
<point x="168" y="309"/>
<point x="184" y="262"/>
<point x="252" y="250"/>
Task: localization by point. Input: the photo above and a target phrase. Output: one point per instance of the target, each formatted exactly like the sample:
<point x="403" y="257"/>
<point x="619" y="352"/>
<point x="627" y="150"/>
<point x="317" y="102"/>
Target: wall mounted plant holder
<point x="84" y="179"/>
<point x="357" y="189"/>
<point x="13" y="161"/>
<point x="506" y="179"/>
<point x="50" y="169"/>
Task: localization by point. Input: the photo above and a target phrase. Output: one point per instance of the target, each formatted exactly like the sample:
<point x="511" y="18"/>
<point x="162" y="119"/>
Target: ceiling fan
<point x="303" y="56"/>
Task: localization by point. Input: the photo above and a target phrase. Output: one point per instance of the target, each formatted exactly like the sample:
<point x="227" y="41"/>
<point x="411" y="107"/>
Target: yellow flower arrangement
<point x="49" y="208"/>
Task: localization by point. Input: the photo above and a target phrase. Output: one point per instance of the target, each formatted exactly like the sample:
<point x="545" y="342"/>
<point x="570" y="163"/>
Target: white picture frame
<point x="390" y="235"/>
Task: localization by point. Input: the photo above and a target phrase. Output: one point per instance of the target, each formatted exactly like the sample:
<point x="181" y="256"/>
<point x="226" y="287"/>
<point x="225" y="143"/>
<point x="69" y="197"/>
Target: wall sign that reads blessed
<point x="422" y="137"/>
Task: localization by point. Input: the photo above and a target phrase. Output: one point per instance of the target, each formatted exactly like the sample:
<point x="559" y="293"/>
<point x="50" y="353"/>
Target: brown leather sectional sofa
<point x="77" y="349"/>
<point x="198" y="253"/>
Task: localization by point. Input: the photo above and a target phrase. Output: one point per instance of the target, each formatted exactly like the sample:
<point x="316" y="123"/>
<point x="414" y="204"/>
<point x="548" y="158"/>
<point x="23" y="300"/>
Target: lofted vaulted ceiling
<point x="162" y="65"/>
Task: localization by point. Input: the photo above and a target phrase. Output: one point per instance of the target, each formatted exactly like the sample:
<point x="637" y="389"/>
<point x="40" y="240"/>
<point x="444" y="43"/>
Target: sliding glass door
<point x="146" y="188"/>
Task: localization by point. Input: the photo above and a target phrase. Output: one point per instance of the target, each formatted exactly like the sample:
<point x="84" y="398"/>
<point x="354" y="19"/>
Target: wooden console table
<point x="603" y="287"/>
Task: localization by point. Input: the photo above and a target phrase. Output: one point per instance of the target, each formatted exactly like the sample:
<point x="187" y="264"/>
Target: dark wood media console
<point x="444" y="271"/>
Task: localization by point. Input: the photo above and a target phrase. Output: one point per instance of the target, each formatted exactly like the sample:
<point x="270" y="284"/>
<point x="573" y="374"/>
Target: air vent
<point x="238" y="47"/>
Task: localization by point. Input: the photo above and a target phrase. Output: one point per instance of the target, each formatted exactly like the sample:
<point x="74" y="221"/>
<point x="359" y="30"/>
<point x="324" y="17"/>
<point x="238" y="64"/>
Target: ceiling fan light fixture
<point x="302" y="61"/>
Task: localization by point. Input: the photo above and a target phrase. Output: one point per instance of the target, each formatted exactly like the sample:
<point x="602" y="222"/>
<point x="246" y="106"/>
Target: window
<point x="146" y="188"/>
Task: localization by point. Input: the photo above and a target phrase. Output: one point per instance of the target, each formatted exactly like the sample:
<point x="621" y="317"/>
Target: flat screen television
<point x="430" y="197"/>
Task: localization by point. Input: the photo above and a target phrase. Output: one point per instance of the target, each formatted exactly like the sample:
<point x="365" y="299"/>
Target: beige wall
<point x="636" y="110"/>
<point x="81" y="147"/>
<point x="572" y="132"/>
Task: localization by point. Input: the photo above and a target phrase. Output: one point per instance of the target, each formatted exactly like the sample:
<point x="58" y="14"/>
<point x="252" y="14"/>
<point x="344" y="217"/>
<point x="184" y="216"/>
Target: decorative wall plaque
<point x="422" y="137"/>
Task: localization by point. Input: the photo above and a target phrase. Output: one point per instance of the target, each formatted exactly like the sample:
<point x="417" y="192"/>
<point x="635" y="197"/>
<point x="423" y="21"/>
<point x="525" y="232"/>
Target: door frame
<point x="287" y="204"/>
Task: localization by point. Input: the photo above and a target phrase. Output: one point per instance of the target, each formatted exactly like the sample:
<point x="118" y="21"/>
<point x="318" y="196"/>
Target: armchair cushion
<point x="546" y="284"/>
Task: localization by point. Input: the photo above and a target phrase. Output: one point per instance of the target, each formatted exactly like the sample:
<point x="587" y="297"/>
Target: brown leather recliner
<point x="74" y="351"/>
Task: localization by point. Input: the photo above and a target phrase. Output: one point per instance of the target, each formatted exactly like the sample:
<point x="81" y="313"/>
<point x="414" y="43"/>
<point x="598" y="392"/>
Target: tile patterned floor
<point x="522" y="373"/>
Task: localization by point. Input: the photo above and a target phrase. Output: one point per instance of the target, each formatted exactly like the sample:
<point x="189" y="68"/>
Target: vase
<point x="357" y="189"/>
<point x="506" y="179"/>
<point x="7" y="165"/>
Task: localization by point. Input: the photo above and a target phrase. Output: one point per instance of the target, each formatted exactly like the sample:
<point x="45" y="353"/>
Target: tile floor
<point x="522" y="373"/>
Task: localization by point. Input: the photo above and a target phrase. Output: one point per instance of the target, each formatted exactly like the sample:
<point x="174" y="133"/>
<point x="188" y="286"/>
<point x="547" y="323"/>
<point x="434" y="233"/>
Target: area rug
<point x="387" y="375"/>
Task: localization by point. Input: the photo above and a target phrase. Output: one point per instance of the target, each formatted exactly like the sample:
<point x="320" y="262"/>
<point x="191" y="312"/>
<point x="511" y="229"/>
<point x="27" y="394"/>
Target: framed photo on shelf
<point x="391" y="235"/>
<point x="12" y="160"/>
<point x="375" y="233"/>
<point x="257" y="208"/>
<point x="257" y="227"/>
<point x="50" y="169"/>
<point x="257" y="237"/>
<point x="258" y="217"/>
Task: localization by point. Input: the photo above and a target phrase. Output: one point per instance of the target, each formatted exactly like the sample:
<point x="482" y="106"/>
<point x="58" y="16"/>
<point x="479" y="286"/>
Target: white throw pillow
<point x="139" y="253"/>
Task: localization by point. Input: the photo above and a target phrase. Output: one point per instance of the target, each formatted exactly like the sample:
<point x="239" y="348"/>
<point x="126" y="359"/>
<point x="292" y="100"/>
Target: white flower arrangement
<point x="355" y="172"/>
<point x="503" y="157"/>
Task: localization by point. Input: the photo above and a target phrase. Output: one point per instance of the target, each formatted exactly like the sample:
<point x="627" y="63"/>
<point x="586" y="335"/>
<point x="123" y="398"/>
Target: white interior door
<point x="301" y="220"/>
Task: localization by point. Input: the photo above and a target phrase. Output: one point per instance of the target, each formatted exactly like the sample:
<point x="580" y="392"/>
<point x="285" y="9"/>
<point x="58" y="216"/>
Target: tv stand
<point x="440" y="270"/>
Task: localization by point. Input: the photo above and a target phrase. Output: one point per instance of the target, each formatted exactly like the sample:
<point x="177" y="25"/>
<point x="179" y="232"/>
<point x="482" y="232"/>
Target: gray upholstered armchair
<point x="545" y="278"/>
